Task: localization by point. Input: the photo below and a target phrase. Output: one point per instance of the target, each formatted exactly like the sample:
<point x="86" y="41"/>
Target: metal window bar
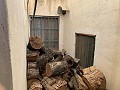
<point x="46" y="27"/>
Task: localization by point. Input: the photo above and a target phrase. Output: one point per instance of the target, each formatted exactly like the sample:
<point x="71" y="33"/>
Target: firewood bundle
<point x="55" y="70"/>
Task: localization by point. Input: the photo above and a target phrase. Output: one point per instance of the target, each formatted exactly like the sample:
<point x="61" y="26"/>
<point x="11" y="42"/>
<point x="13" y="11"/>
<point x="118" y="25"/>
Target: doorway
<point x="84" y="49"/>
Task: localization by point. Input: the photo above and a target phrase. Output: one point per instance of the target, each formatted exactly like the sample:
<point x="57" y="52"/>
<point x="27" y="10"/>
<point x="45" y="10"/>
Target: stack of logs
<point x="55" y="70"/>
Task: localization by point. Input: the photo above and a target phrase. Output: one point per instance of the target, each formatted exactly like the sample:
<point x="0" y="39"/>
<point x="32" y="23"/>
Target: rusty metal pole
<point x="34" y="9"/>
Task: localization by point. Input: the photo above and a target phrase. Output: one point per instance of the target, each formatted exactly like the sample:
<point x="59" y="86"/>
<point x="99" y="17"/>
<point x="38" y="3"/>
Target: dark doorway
<point x="84" y="50"/>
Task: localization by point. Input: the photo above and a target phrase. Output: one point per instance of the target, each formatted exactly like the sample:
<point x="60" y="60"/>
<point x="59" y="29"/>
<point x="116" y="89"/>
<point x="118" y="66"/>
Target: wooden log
<point x="44" y="73"/>
<point x="95" y="79"/>
<point x="49" y="80"/>
<point x="75" y="85"/>
<point x="33" y="73"/>
<point x="34" y="84"/>
<point x="42" y="50"/>
<point x="60" y="85"/>
<point x="79" y="71"/>
<point x="102" y="85"/>
<point x="47" y="83"/>
<point x="69" y="60"/>
<point x="41" y="62"/>
<point x="59" y="58"/>
<point x="88" y="70"/>
<point x="32" y="56"/>
<point x="56" y="54"/>
<point x="63" y="52"/>
<point x="48" y="87"/>
<point x="76" y="63"/>
<point x="35" y="43"/>
<point x="54" y="83"/>
<point x="76" y="60"/>
<point x="48" y="52"/>
<point x="81" y="82"/>
<point x="67" y="76"/>
<point x="56" y="68"/>
<point x="80" y="85"/>
<point x="32" y="65"/>
<point x="70" y="84"/>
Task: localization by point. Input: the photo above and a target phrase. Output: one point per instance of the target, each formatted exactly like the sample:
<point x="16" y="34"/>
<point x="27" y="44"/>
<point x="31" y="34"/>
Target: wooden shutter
<point x="85" y="46"/>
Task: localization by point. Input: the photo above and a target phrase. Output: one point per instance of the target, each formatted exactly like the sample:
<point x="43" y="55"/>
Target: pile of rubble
<point x="55" y="70"/>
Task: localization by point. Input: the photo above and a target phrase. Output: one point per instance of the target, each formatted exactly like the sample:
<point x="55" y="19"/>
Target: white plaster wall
<point x="101" y="18"/>
<point x="5" y="61"/>
<point x="49" y="8"/>
<point x="18" y="34"/>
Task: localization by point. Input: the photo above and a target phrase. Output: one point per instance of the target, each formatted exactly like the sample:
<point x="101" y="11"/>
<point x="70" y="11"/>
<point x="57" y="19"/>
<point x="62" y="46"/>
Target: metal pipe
<point x="34" y="9"/>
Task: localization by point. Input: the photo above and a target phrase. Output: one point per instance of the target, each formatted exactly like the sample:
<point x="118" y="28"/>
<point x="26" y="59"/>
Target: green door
<point x="85" y="46"/>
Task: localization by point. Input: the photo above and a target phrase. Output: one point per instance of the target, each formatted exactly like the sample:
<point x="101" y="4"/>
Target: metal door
<point x="46" y="27"/>
<point x="85" y="46"/>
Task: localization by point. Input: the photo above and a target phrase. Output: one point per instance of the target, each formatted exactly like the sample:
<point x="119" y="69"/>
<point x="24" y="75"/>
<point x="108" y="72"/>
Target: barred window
<point x="46" y="27"/>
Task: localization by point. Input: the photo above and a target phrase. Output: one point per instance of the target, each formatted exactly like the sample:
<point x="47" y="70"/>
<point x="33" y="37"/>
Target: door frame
<point x="91" y="35"/>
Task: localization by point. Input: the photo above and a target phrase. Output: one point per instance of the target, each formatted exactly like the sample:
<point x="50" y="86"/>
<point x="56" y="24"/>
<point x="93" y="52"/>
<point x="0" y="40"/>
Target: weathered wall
<point x="49" y="8"/>
<point x="18" y="34"/>
<point x="5" y="62"/>
<point x="97" y="17"/>
<point x="100" y="18"/>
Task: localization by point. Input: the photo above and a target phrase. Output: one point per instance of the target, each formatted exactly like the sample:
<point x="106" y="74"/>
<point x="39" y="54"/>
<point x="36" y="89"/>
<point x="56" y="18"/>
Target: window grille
<point x="46" y="27"/>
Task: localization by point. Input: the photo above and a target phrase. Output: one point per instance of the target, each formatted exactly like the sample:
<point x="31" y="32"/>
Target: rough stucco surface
<point x="18" y="31"/>
<point x="100" y="18"/>
<point x="5" y="62"/>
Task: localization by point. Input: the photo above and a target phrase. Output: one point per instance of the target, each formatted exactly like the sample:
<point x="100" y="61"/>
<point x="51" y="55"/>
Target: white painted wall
<point x="18" y="36"/>
<point x="5" y="61"/>
<point x="100" y="18"/>
<point x="49" y="8"/>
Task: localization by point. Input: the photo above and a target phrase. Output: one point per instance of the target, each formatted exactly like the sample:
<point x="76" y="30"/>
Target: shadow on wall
<point x="5" y="62"/>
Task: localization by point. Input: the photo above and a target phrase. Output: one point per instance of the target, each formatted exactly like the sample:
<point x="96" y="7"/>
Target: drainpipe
<point x="34" y="9"/>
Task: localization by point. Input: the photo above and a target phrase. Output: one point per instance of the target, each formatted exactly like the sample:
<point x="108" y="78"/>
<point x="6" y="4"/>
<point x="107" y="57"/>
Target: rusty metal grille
<point x="46" y="27"/>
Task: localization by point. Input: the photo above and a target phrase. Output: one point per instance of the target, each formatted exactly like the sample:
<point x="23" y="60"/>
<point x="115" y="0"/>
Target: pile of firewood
<point x="55" y="70"/>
